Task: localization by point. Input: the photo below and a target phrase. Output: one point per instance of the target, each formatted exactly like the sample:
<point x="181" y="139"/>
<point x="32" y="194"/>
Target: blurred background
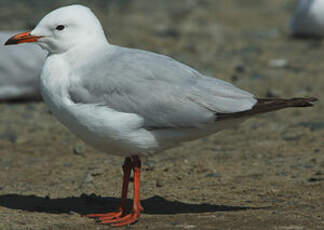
<point x="268" y="172"/>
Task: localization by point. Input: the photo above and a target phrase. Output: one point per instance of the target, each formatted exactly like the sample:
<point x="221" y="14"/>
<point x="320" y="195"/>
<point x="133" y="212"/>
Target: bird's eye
<point x="60" y="27"/>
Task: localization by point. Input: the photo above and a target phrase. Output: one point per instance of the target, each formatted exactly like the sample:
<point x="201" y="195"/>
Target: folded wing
<point x="164" y="92"/>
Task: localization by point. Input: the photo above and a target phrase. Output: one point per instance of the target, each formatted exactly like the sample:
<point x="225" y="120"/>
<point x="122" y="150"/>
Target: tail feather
<point x="265" y="105"/>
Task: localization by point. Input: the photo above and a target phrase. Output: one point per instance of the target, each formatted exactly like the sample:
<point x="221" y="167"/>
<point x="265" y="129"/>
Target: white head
<point x="63" y="29"/>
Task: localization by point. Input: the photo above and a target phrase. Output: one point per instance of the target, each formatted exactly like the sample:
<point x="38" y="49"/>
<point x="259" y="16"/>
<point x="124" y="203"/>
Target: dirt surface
<point x="266" y="174"/>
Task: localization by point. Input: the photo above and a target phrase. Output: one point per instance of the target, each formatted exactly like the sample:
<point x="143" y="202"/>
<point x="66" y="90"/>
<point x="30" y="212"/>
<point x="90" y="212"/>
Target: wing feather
<point x="166" y="93"/>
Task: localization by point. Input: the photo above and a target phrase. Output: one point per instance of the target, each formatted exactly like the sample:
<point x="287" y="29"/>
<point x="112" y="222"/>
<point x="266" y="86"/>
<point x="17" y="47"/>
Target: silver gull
<point x="131" y="102"/>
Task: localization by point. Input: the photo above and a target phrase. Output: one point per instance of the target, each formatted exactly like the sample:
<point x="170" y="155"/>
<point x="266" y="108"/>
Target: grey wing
<point x="164" y="92"/>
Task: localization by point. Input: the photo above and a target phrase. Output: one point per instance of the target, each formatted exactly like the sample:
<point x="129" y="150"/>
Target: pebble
<point x="5" y="164"/>
<point x="313" y="179"/>
<point x="273" y="93"/>
<point x="88" y="178"/>
<point x="78" y="149"/>
<point x="9" y="135"/>
<point x="68" y="164"/>
<point x="167" y="32"/>
<point x="97" y="171"/>
<point x="278" y="63"/>
<point x="234" y="78"/>
<point x="73" y="213"/>
<point x="216" y="174"/>
<point x="313" y="126"/>
<point x="291" y="136"/>
<point x="158" y="183"/>
<point x="256" y="76"/>
<point x="240" y="69"/>
<point x="302" y="165"/>
<point x="317" y="150"/>
<point x="290" y="227"/>
<point x="186" y="226"/>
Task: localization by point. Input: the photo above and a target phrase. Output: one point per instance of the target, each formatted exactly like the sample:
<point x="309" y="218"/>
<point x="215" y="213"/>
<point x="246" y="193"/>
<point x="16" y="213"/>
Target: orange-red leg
<point x="120" y="218"/>
<point x="137" y="185"/>
<point x="127" y="167"/>
<point x="137" y="207"/>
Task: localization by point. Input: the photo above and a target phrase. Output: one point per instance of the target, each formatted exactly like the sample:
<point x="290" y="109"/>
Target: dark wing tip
<point x="304" y="102"/>
<point x="312" y="99"/>
<point x="264" y="105"/>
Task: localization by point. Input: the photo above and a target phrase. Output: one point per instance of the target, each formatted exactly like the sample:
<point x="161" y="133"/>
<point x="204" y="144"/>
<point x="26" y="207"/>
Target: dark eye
<point x="60" y="27"/>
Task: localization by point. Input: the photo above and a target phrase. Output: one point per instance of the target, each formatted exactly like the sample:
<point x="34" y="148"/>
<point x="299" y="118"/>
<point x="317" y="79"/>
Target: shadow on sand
<point x="93" y="204"/>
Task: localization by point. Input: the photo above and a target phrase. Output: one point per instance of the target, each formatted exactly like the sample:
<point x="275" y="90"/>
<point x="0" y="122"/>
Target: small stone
<point x="278" y="63"/>
<point x="313" y="126"/>
<point x="186" y="226"/>
<point x="268" y="33"/>
<point x="158" y="183"/>
<point x="78" y="149"/>
<point x="240" y="69"/>
<point x="68" y="164"/>
<point x="73" y="213"/>
<point x="9" y="135"/>
<point x="291" y="227"/>
<point x="313" y="179"/>
<point x="234" y="78"/>
<point x="88" y="178"/>
<point x="317" y="150"/>
<point x="97" y="172"/>
<point x="168" y="32"/>
<point x="5" y="164"/>
<point x="273" y="93"/>
<point x="216" y="174"/>
<point x="256" y="76"/>
<point x="148" y="168"/>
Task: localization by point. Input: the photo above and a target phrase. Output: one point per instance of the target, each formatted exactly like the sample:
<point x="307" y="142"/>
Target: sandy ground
<point x="266" y="174"/>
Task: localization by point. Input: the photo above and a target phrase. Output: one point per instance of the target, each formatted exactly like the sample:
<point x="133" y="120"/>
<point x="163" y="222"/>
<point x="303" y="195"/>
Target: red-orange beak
<point x="21" y="38"/>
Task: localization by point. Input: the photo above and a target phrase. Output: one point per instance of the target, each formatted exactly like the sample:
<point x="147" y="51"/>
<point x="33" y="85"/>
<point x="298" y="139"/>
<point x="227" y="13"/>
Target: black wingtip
<point x="306" y="102"/>
<point x="265" y="105"/>
<point x="312" y="99"/>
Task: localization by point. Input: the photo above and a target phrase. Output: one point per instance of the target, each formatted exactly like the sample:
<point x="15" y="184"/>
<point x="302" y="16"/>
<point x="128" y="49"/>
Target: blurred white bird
<point x="131" y="102"/>
<point x="308" y="20"/>
<point x="19" y="70"/>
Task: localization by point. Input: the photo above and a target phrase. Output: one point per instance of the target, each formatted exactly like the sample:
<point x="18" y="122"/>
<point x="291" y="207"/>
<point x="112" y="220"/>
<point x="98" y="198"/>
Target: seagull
<point x="131" y="102"/>
<point x="308" y="21"/>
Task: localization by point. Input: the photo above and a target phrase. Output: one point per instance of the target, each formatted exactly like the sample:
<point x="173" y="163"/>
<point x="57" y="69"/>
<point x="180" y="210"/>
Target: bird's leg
<point x="137" y="179"/>
<point x="127" y="167"/>
<point x="137" y="207"/>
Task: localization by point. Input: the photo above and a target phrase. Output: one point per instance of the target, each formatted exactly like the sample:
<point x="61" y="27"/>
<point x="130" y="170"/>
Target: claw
<point x="112" y="215"/>
<point x="96" y="215"/>
<point x="131" y="220"/>
<point x="122" y="221"/>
